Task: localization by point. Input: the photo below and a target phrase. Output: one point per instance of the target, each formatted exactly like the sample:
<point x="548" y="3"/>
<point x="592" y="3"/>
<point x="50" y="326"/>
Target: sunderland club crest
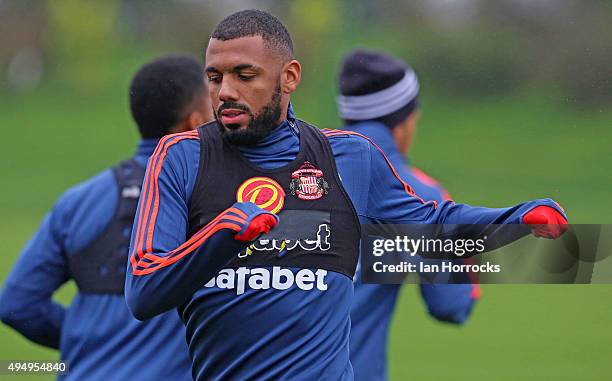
<point x="307" y="183"/>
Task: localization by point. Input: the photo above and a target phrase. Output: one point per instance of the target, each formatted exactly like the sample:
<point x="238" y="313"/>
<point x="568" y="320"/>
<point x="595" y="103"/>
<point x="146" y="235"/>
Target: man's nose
<point x="227" y="93"/>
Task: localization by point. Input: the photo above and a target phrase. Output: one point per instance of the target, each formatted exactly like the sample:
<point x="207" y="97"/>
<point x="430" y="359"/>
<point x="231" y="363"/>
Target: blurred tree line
<point x="467" y="48"/>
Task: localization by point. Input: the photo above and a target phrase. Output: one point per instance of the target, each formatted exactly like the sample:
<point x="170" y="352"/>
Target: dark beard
<point x="259" y="126"/>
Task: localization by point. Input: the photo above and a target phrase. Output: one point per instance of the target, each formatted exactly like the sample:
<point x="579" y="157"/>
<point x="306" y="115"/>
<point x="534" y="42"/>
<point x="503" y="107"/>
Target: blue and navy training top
<point x="373" y="304"/>
<point x="96" y="334"/>
<point x="273" y="328"/>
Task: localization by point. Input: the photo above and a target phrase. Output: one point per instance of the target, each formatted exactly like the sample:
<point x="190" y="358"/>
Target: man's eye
<point x="214" y="78"/>
<point x="245" y="77"/>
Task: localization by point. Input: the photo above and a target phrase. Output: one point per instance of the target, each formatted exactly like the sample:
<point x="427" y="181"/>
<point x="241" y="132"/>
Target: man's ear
<point x="403" y="133"/>
<point x="192" y="121"/>
<point x="414" y="118"/>
<point x="291" y="76"/>
<point x="195" y="120"/>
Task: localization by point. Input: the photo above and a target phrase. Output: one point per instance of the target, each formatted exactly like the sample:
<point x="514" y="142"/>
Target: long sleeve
<point x="165" y="268"/>
<point x="380" y="195"/>
<point x="391" y="200"/>
<point x="26" y="304"/>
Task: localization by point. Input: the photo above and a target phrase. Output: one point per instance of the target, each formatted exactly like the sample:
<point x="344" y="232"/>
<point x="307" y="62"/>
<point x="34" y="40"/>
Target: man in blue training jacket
<point x="273" y="307"/>
<point x="378" y="99"/>
<point x="85" y="237"/>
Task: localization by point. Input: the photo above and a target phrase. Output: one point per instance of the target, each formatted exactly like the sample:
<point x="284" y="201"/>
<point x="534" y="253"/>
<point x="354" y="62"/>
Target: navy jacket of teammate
<point x="85" y="238"/>
<point x="277" y="306"/>
<point x="378" y="99"/>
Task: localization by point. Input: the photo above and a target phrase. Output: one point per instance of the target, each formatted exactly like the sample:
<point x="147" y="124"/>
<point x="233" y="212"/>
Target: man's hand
<point x="258" y="221"/>
<point x="545" y="222"/>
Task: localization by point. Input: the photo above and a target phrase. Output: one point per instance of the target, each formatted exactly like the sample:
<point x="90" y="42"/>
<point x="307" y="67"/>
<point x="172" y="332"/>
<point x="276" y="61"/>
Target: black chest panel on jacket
<point x="318" y="225"/>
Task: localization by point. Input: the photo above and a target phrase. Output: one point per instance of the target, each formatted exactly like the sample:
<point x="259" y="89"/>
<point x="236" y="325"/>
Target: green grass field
<point x="491" y="152"/>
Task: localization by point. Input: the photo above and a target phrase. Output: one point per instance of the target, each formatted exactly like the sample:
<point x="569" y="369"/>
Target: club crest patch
<point x="263" y="192"/>
<point x="307" y="183"/>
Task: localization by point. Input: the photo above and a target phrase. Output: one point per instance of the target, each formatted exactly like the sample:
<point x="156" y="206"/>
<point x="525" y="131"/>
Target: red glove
<point x="546" y="222"/>
<point x="258" y="225"/>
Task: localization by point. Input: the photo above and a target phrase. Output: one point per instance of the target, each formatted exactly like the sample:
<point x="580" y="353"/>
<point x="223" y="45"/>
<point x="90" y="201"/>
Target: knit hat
<point x="376" y="86"/>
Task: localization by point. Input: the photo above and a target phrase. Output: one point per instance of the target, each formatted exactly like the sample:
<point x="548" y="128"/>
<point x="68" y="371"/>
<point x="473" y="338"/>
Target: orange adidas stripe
<point x="159" y="165"/>
<point x="158" y="260"/>
<point x="186" y="244"/>
<point x="144" y="209"/>
<point x="174" y="259"/>
<point x="151" y="181"/>
<point x="195" y="240"/>
<point x="191" y="245"/>
<point x="407" y="187"/>
<point x="144" y="192"/>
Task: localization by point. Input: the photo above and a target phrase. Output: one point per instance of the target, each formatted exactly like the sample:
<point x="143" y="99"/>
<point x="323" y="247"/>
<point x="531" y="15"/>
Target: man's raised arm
<point x="391" y="200"/>
<point x="164" y="267"/>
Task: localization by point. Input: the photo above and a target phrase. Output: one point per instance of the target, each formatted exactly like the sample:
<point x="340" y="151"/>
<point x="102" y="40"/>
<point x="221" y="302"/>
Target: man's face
<point x="244" y="80"/>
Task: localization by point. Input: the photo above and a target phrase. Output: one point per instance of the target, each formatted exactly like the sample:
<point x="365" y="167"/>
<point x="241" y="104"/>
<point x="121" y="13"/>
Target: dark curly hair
<point x="162" y="91"/>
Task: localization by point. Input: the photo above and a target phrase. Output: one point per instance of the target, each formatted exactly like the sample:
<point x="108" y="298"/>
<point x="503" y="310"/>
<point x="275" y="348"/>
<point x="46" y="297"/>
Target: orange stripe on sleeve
<point x="407" y="187"/>
<point x="162" y="262"/>
<point x="149" y="262"/>
<point x="150" y="194"/>
<point x="145" y="193"/>
<point x="188" y="135"/>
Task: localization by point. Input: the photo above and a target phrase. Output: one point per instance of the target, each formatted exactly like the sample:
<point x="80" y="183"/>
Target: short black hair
<point x="161" y="91"/>
<point x="253" y="22"/>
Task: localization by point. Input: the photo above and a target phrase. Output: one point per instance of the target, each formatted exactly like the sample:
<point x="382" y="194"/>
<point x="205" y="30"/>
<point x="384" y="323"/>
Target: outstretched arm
<point x="391" y="200"/>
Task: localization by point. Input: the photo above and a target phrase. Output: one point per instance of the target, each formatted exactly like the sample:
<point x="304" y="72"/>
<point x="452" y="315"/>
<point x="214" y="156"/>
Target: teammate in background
<point x="276" y="308"/>
<point x="85" y="237"/>
<point x="378" y="99"/>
